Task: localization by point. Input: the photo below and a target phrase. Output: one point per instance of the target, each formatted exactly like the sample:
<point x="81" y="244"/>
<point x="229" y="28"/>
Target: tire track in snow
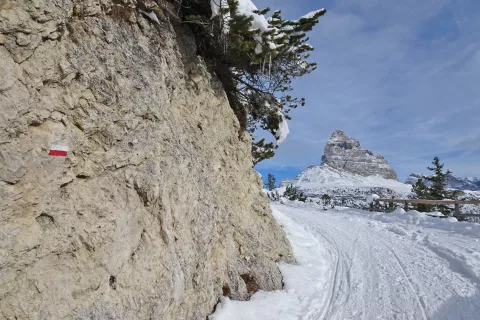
<point x="320" y="312"/>
<point x="369" y="259"/>
<point x="418" y="298"/>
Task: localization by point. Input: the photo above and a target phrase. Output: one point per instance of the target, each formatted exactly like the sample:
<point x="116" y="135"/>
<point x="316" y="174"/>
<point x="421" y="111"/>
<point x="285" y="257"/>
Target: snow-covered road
<point x="357" y="265"/>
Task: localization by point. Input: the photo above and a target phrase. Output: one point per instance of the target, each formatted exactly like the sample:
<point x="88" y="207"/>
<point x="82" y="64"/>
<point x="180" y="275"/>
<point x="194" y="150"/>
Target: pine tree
<point x="422" y="192"/>
<point x="326" y="200"/>
<point x="274" y="195"/>
<point x="438" y="189"/>
<point x="256" y="66"/>
<point x="420" y="189"/>
<point x="438" y="181"/>
<point x="292" y="193"/>
<point x="271" y="182"/>
<point x="262" y="151"/>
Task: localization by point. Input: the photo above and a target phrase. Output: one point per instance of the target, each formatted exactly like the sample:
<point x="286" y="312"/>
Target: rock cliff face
<point x="345" y="154"/>
<point x="156" y="212"/>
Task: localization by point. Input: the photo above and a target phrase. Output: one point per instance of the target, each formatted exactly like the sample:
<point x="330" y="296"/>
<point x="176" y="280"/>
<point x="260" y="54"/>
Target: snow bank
<point x="424" y="220"/>
<point x="262" y="305"/>
<point x="399" y="211"/>
<point x="372" y="198"/>
<point x="306" y="283"/>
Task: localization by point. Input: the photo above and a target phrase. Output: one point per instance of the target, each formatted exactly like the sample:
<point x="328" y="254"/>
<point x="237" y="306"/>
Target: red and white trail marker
<point x="58" y="151"/>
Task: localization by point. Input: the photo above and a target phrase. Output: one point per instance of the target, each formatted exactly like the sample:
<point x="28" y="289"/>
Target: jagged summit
<point x="349" y="174"/>
<point x="346" y="154"/>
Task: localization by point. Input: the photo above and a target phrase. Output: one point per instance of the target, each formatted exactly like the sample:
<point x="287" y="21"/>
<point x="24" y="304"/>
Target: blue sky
<point x="402" y="77"/>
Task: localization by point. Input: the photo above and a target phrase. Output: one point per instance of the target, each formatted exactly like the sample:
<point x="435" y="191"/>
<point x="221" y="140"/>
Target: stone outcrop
<point x="345" y="154"/>
<point x="156" y="211"/>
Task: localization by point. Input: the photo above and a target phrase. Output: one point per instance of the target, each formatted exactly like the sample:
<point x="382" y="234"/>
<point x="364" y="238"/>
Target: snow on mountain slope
<point x="349" y="174"/>
<point x="328" y="177"/>
<point x="358" y="265"/>
<point x="345" y="188"/>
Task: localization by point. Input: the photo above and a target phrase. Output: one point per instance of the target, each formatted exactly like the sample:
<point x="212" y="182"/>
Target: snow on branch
<point x="282" y="132"/>
<point x="246" y="8"/>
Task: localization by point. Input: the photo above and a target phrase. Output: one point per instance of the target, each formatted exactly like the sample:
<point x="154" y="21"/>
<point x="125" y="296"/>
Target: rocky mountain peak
<point x="345" y="153"/>
<point x="341" y="140"/>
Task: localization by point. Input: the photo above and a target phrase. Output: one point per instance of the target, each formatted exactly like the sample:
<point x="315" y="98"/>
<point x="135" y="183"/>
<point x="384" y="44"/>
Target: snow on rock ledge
<point x="372" y="198"/>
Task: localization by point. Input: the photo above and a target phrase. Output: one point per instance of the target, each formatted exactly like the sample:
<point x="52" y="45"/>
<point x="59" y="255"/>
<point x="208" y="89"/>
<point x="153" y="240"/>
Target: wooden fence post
<point x="458" y="214"/>
<point x="457" y="210"/>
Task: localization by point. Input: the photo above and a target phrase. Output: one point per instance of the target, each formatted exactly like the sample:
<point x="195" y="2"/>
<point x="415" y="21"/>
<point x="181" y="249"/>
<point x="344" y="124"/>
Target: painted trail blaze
<point x="58" y="151"/>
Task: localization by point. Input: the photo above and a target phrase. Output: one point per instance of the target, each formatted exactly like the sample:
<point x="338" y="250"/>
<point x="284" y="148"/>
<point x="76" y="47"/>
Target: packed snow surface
<point x="372" y="198"/>
<point x="354" y="264"/>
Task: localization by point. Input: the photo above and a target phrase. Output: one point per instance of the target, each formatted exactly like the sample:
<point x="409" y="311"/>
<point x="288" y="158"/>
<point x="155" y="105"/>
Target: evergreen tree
<point x="274" y="195"/>
<point x="271" y="182"/>
<point x="438" y="180"/>
<point x="326" y="200"/>
<point x="256" y="65"/>
<point x="420" y="189"/>
<point x="422" y="192"/>
<point x="292" y="193"/>
<point x="262" y="151"/>
<point x="437" y="189"/>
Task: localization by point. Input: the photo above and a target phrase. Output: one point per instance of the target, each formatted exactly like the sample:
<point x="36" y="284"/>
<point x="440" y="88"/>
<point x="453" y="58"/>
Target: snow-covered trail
<point x="357" y="265"/>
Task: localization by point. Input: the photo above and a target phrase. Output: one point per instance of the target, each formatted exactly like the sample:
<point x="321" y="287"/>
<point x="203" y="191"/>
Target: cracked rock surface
<point x="345" y="154"/>
<point x="156" y="212"/>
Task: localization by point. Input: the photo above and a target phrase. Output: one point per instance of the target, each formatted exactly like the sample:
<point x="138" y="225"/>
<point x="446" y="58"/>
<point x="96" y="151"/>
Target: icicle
<point x="270" y="66"/>
<point x="264" y="63"/>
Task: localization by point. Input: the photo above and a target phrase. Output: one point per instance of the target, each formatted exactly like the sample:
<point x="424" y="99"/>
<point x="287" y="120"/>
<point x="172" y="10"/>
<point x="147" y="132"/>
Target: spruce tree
<point x="262" y="151"/>
<point x="438" y="185"/>
<point x="326" y="200"/>
<point x="420" y="189"/>
<point x="292" y="193"/>
<point x="422" y="192"/>
<point x="438" y="181"/>
<point x="256" y="66"/>
<point x="271" y="182"/>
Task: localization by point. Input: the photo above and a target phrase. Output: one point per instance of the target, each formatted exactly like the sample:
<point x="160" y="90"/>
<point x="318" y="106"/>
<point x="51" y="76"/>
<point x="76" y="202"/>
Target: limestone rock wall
<point x="156" y="212"/>
<point x="345" y="154"/>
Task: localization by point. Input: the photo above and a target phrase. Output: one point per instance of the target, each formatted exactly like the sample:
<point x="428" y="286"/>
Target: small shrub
<point x="274" y="195"/>
<point x="326" y="200"/>
<point x="292" y="193"/>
